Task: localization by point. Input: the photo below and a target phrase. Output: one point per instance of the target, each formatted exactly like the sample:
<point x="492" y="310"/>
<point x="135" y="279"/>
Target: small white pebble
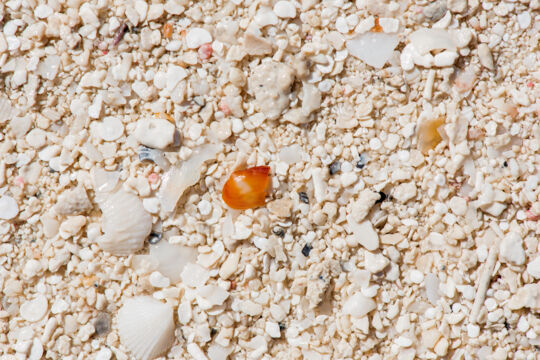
<point x="375" y="144"/>
<point x="285" y="9"/>
<point x="272" y="329"/>
<point x="403" y="155"/>
<point x="196" y="37"/>
<point x="531" y="334"/>
<point x="491" y="304"/>
<point x="346" y="167"/>
<point x="205" y="208"/>
<point x="326" y="85"/>
<point x="111" y="128"/>
<point x="523" y="324"/>
<point x="33" y="310"/>
<point x="440" y="179"/>
<point x="524" y="20"/>
<point x="416" y="276"/>
<point x="154" y="133"/>
<point x="237" y="126"/>
<point x="403" y="341"/>
<point x="8" y="207"/>
<point x="446" y="58"/>
<point x="348" y="179"/>
<point x="389" y="25"/>
<point x="473" y="330"/>
<point x="158" y="280"/>
<point x="43" y="11"/>
<point x="265" y="17"/>
<point x="173" y="45"/>
<point x="151" y="205"/>
<point x="104" y="354"/>
<point x="195" y="131"/>
<point x="341" y="25"/>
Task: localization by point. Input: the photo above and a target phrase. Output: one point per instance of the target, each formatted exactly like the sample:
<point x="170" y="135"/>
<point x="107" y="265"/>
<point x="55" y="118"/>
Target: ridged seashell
<point x="146" y="327"/>
<point x="125" y="223"/>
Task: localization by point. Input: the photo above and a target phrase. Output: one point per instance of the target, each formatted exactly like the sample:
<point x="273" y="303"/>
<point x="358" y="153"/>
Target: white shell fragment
<point x="8" y="207"/>
<point x="178" y="179"/>
<point x="146" y="327"/>
<point x="426" y="40"/>
<point x="375" y="49"/>
<point x="111" y="128"/>
<point x="433" y="47"/>
<point x="154" y="133"/>
<point x="358" y="305"/>
<point x="364" y="233"/>
<point x="196" y="37"/>
<point x="172" y="258"/>
<point x="125" y="223"/>
<point x="33" y="310"/>
<point x="533" y="268"/>
<point x="285" y="9"/>
<point x="48" y="67"/>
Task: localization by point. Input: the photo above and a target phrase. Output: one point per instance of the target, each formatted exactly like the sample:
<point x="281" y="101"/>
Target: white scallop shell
<point x="146" y="327"/>
<point x="125" y="223"/>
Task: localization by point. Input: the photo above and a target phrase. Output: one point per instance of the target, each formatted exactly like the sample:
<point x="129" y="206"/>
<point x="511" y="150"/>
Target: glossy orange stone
<point x="246" y="189"/>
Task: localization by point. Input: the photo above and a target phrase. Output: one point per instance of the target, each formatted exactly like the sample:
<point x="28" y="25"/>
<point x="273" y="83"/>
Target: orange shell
<point x="246" y="189"/>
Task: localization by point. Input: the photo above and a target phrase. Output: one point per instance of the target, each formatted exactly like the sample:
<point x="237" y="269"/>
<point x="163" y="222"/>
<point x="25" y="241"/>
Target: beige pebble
<point x="486" y="59"/>
<point x="228" y="268"/>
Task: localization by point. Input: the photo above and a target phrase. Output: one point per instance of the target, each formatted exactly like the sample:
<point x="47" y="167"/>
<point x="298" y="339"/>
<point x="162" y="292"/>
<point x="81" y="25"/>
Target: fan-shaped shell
<point x="125" y="223"/>
<point x="146" y="327"/>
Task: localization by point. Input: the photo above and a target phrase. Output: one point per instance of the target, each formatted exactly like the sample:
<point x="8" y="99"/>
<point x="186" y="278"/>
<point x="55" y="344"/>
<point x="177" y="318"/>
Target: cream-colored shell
<point x="146" y="327"/>
<point x="125" y="223"/>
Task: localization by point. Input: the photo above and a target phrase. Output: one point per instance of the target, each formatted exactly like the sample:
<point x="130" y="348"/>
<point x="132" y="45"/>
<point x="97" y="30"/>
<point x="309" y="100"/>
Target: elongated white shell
<point x="125" y="223"/>
<point x="146" y="327"/>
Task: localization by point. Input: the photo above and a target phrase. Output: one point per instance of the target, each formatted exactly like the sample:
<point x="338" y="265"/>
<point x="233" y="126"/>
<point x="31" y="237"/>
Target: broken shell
<point x="8" y="207"/>
<point x="154" y="155"/>
<point x="486" y="59"/>
<point x="33" y="310"/>
<point x="146" y="327"/>
<point x="374" y="49"/>
<point x="428" y="134"/>
<point x="125" y="222"/>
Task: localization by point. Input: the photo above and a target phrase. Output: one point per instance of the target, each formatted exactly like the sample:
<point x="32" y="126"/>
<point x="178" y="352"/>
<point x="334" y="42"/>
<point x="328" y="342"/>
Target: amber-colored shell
<point x="167" y="30"/>
<point x="428" y="134"/>
<point x="246" y="189"/>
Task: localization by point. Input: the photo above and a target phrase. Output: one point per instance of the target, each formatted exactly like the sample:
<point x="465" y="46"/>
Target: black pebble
<point x="278" y="231"/>
<point x="306" y="250"/>
<point x="102" y="324"/>
<point x="382" y="198"/>
<point x="361" y="162"/>
<point x="154" y="238"/>
<point x="334" y="167"/>
<point x="282" y="326"/>
<point x="303" y="197"/>
<point x="505" y="164"/>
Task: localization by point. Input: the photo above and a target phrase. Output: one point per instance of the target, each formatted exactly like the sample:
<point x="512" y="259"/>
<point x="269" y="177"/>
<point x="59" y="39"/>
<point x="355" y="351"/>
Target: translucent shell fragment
<point x="246" y="189"/>
<point x="428" y="134"/>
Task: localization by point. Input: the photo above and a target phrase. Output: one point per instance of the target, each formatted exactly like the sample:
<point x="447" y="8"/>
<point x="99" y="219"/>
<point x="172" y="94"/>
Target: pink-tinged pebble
<point x="530" y="84"/>
<point x="19" y="181"/>
<point x="153" y="178"/>
<point x="224" y="108"/>
<point x="205" y="51"/>
<point x="531" y="216"/>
